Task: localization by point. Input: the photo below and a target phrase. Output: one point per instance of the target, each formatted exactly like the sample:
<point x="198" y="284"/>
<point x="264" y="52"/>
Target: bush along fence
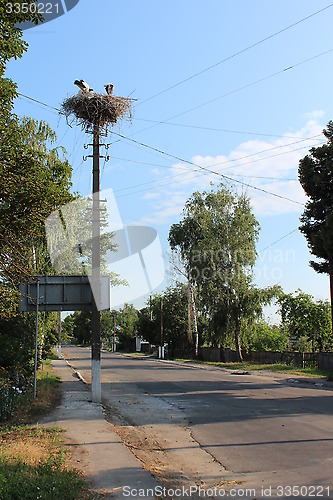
<point x="323" y="361"/>
<point x="12" y="390"/>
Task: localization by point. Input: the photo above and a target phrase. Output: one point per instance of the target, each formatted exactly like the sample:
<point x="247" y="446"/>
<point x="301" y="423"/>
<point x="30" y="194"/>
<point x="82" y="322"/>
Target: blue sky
<point x="252" y="116"/>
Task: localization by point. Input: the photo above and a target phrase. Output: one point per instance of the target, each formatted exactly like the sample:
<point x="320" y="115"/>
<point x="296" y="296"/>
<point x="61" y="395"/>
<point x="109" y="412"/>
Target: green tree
<point x="20" y="159"/>
<point x="67" y="328"/>
<point x="149" y="321"/>
<point x="126" y="319"/>
<point x="259" y="336"/>
<point x="305" y="319"/>
<point x="216" y="241"/>
<point x="108" y="327"/>
<point x="315" y="174"/>
<point x="35" y="179"/>
<point x="175" y="321"/>
<point x="12" y="47"/>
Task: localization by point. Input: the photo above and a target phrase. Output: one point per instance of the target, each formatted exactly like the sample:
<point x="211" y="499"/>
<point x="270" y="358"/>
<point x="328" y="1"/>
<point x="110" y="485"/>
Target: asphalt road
<point x="247" y="430"/>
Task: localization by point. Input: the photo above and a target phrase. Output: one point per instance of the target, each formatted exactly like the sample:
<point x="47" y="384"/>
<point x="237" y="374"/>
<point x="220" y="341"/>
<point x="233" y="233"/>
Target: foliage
<point x="216" y="242"/>
<point x="12" y="46"/>
<point x="17" y="342"/>
<point x="175" y="321"/>
<point x="108" y="327"/>
<point x="35" y="179"/>
<point x="126" y="321"/>
<point x="42" y="473"/>
<point x="315" y="175"/>
<point x="304" y="318"/>
<point x="149" y="321"/>
<point x="34" y="175"/>
<point x="69" y="238"/>
<point x="259" y="336"/>
<point x="78" y="327"/>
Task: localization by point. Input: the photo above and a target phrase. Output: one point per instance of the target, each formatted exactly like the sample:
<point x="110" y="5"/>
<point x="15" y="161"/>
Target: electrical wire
<point x="235" y="54"/>
<point x="212" y="129"/>
<point x="194" y="176"/>
<point x="278" y="241"/>
<point x="37" y="101"/>
<point x="223" y="176"/>
<point x="248" y="85"/>
<point x="196" y="165"/>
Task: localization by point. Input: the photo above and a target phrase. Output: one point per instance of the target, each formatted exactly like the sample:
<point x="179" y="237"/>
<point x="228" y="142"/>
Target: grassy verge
<point x="33" y="465"/>
<point x="34" y="462"/>
<point x="140" y="354"/>
<point x="274" y="367"/>
<point x="48" y="396"/>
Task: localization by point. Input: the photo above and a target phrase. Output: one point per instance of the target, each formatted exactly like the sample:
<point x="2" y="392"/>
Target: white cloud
<point x="151" y="196"/>
<point x="253" y="167"/>
<point x="316" y="114"/>
<point x="267" y="165"/>
<point x="165" y="210"/>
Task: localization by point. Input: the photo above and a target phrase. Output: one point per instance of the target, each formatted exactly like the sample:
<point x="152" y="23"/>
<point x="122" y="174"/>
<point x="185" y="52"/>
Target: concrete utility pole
<point x="162" y="340"/>
<point x="99" y="111"/>
<point x="114" y="334"/>
<point x="59" y="335"/>
<point x="96" y="391"/>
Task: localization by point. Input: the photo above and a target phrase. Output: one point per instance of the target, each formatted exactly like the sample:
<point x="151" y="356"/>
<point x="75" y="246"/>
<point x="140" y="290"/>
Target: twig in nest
<point x="97" y="109"/>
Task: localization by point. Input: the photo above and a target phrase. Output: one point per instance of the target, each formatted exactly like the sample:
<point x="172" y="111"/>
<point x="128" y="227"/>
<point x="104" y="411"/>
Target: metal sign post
<point x="36" y="341"/>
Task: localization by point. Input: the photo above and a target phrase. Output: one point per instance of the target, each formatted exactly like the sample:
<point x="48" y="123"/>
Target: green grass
<point x="273" y="367"/>
<point x="48" y="396"/>
<point x="33" y="466"/>
<point x="34" y="462"/>
<point x="140" y="354"/>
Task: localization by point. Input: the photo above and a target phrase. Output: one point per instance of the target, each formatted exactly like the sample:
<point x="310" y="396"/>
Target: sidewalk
<point x="97" y="450"/>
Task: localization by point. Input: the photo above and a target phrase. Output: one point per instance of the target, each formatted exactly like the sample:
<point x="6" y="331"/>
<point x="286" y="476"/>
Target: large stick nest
<point x="100" y="110"/>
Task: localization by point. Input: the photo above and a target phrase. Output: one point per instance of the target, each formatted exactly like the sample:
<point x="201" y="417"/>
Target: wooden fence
<point x="324" y="361"/>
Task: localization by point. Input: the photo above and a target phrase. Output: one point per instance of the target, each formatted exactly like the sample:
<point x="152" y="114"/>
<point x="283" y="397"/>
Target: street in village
<point x="216" y="428"/>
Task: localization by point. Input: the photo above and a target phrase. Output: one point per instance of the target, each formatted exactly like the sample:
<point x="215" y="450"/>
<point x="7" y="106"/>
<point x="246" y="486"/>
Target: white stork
<point x="109" y="88"/>
<point x="82" y="85"/>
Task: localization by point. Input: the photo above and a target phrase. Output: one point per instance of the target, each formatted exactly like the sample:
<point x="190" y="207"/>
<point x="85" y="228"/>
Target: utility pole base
<point x="96" y="391"/>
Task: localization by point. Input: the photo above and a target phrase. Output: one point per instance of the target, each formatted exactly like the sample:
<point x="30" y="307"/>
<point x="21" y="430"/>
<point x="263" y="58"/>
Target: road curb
<point x="77" y="373"/>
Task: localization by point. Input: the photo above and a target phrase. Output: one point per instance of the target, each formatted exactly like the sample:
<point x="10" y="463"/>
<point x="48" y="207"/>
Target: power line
<point x="215" y="164"/>
<point x="38" y="102"/>
<point x="235" y="54"/>
<point x="278" y="241"/>
<point x="192" y="163"/>
<point x="162" y="122"/>
<point x="211" y="171"/>
<point x="248" y="85"/>
<point x="207" y="102"/>
<point x="212" y="129"/>
<point x="191" y="176"/>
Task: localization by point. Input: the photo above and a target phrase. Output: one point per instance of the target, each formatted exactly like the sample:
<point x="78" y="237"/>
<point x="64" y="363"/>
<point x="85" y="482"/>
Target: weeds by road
<point x="273" y="367"/>
<point x="34" y="463"/>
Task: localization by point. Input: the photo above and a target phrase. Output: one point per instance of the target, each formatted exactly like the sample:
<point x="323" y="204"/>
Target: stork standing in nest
<point x="108" y="88"/>
<point x="83" y="86"/>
